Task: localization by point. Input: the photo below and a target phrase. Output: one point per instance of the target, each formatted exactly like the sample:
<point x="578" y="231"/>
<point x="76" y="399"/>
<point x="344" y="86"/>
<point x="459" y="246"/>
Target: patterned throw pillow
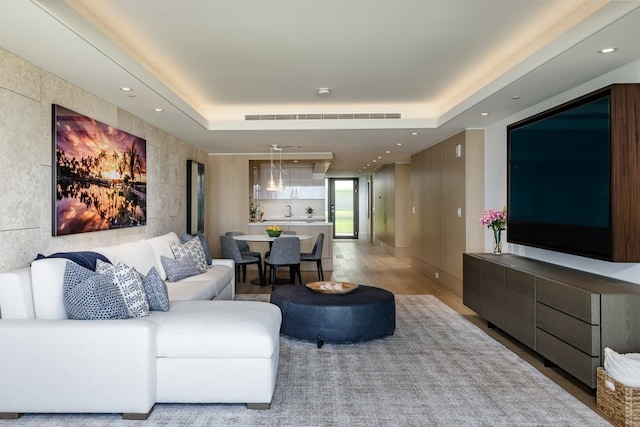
<point x="156" y="290"/>
<point x="95" y="298"/>
<point x="185" y="237"/>
<point x="104" y="267"/>
<point x="191" y="249"/>
<point x="74" y="274"/>
<point x="128" y="282"/>
<point x="91" y="296"/>
<point x="179" y="269"/>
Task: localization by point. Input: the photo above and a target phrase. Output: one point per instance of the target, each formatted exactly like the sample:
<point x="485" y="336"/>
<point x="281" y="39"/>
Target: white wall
<point x="496" y="178"/>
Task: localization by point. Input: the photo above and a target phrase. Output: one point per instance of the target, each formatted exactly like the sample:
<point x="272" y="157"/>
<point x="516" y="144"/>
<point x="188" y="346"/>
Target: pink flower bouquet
<point x="495" y="219"/>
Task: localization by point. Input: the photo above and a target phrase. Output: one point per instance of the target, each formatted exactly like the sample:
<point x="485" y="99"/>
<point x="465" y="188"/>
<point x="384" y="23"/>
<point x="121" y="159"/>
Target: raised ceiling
<point x="208" y="64"/>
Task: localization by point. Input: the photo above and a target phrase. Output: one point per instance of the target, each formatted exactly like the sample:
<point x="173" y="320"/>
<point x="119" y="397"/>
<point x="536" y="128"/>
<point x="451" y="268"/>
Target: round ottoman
<point x="363" y="314"/>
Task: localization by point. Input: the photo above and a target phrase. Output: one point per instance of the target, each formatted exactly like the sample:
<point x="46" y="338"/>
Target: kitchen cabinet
<point x="300" y="182"/>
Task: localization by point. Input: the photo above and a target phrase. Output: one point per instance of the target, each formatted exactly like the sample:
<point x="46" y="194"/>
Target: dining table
<point x="269" y="239"/>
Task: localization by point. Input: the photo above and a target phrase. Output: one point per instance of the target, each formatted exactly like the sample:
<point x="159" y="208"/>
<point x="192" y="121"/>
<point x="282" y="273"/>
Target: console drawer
<point x="580" y="365"/>
<point x="579" y="334"/>
<point x="572" y="300"/>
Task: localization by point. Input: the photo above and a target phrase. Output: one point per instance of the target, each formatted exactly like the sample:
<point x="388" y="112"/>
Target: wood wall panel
<point x="474" y="194"/>
<point x="418" y="173"/>
<point x="446" y="183"/>
<point x="433" y="208"/>
<point x="392" y="201"/>
<point x="625" y="172"/>
<point x="452" y="199"/>
<point x="227" y="198"/>
<point x="402" y="205"/>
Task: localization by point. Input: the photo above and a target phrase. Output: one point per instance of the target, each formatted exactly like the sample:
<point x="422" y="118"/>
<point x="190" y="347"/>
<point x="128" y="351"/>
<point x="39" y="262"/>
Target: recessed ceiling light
<point x="368" y="164"/>
<point x="379" y="157"/>
<point x="374" y="161"/>
<point x="414" y="133"/>
<point x="387" y="151"/>
<point x="515" y="97"/>
<point x="608" y="50"/>
<point x="126" y="89"/>
<point x="324" y="91"/>
<point x="484" y="114"/>
<point x="158" y="110"/>
<point x="399" y="143"/>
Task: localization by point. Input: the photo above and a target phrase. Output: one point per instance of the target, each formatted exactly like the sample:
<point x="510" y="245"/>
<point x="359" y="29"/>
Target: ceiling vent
<point x="324" y="116"/>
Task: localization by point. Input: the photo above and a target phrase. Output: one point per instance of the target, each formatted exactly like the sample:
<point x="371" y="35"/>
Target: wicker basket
<point x="621" y="405"/>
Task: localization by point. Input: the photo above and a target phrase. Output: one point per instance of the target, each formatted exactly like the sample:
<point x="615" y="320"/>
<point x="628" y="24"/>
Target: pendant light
<point x="271" y="184"/>
<point x="280" y="180"/>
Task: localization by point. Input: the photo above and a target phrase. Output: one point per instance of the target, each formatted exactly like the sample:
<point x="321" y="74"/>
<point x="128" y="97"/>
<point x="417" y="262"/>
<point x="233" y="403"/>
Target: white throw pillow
<point x="191" y="249"/>
<point x="129" y="283"/>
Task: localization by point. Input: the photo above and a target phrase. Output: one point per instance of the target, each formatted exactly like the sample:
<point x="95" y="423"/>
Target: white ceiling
<point x="208" y="63"/>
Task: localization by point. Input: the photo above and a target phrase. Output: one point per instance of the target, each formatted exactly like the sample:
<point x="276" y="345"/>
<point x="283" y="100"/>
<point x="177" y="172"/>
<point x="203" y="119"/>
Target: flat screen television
<point x="559" y="178"/>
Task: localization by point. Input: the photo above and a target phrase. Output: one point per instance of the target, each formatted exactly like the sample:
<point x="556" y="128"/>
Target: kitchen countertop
<point x="300" y="221"/>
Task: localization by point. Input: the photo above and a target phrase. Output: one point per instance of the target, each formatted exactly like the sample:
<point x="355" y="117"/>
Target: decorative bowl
<point x="274" y="233"/>
<point x="332" y="287"/>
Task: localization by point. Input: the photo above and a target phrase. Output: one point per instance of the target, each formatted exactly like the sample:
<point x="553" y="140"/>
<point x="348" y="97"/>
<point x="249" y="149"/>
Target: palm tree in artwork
<point x="132" y="157"/>
<point x="138" y="165"/>
<point x="116" y="161"/>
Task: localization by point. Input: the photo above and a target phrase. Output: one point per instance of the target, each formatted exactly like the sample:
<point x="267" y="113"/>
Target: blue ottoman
<point x="361" y="315"/>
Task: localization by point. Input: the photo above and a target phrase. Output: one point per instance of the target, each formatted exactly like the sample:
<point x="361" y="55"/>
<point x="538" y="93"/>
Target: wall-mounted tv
<point x="570" y="176"/>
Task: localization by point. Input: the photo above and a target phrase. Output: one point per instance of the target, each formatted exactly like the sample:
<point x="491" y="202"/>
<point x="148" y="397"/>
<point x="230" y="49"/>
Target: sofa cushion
<point x="94" y="298"/>
<point x="207" y="285"/>
<point x="179" y="269"/>
<point x="218" y="329"/>
<point x="47" y="278"/>
<point x="156" y="290"/>
<point x="160" y="247"/>
<point x="191" y="249"/>
<point x="16" y="296"/>
<point x="138" y="255"/>
<point x="185" y="237"/>
<point x="128" y="282"/>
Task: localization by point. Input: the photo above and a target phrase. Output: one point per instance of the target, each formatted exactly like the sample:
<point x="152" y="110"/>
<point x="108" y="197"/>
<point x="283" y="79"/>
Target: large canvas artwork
<point x="100" y="175"/>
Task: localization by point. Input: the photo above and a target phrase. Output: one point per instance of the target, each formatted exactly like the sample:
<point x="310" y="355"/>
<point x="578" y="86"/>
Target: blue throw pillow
<point x="91" y="296"/>
<point x="179" y="269"/>
<point x="86" y="259"/>
<point x="74" y="274"/>
<point x="156" y="290"/>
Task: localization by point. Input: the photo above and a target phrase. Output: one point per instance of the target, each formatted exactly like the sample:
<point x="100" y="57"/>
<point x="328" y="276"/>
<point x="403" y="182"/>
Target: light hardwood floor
<point x="361" y="262"/>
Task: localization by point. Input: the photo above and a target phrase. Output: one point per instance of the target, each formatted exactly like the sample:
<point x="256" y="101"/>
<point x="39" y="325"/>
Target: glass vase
<point x="497" y="242"/>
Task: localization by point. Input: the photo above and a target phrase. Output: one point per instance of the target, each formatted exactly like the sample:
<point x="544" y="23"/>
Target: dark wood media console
<point x="565" y="315"/>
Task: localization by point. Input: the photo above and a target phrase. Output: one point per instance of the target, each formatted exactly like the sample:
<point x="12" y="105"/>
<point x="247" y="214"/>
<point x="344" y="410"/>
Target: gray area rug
<point x="438" y="369"/>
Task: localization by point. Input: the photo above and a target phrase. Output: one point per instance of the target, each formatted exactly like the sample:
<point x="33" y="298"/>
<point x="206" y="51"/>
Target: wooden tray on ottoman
<point x="329" y="287"/>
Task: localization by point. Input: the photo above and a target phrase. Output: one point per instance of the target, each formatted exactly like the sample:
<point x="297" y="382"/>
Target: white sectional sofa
<point x="199" y="351"/>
